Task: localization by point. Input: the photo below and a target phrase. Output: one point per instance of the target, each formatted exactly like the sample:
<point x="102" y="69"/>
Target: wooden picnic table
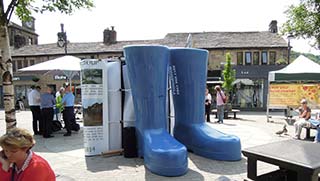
<point x="297" y="160"/>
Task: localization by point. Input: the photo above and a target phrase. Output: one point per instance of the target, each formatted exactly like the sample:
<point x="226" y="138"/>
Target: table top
<point x="301" y="153"/>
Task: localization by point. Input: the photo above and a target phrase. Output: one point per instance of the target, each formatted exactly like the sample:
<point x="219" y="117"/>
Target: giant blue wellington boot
<point x="147" y="71"/>
<point x="188" y="74"/>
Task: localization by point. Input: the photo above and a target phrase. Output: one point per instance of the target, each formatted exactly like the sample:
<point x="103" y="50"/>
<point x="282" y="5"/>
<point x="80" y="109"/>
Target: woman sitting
<point x="18" y="162"/>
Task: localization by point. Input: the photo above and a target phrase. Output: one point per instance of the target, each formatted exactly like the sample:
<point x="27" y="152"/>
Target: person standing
<point x="18" y="162"/>
<point x="208" y="100"/>
<point x="47" y="112"/>
<point x="68" y="112"/>
<point x="34" y="104"/>
<point x="220" y="99"/>
<point x="59" y="105"/>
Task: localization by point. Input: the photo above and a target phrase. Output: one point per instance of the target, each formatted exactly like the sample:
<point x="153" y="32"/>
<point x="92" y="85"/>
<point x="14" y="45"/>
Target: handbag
<point x="224" y="99"/>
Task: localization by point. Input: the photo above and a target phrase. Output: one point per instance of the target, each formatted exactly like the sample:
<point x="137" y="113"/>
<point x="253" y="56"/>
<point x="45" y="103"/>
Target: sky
<point x="153" y="19"/>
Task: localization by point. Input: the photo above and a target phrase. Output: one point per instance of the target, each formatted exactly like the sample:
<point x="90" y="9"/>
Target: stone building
<point x="22" y="35"/>
<point x="254" y="54"/>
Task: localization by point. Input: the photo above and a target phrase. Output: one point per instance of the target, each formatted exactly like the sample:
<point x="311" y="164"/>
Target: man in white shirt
<point x="34" y="103"/>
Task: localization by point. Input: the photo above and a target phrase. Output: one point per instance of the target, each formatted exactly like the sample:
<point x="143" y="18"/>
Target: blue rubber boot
<point x="147" y="72"/>
<point x="188" y="71"/>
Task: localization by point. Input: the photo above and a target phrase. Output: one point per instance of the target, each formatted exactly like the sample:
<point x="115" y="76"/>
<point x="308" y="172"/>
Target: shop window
<point x="248" y="58"/>
<point x="272" y="58"/>
<point x="264" y="58"/>
<point x="256" y="58"/>
<point x="240" y="58"/>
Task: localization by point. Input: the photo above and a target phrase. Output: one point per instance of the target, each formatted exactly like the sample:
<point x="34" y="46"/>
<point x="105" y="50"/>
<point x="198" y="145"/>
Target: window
<point x="19" y="63"/>
<point x="14" y="68"/>
<point x="31" y="62"/>
<point x="272" y="57"/>
<point x="256" y="58"/>
<point x="248" y="58"/>
<point x="240" y="58"/>
<point x="29" y="41"/>
<point x="264" y="58"/>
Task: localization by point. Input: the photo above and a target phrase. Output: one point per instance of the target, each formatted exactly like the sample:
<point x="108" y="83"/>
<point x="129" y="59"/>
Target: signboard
<point x="59" y="77"/>
<point x="95" y="106"/>
<point x="283" y="95"/>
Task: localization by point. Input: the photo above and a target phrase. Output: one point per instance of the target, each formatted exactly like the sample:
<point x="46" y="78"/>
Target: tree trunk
<point x="6" y="72"/>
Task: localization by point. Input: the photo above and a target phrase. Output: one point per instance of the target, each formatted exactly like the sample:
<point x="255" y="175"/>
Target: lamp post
<point x="290" y="36"/>
<point x="62" y="39"/>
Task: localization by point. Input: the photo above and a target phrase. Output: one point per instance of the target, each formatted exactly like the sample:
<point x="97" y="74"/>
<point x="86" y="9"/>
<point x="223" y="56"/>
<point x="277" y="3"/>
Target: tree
<point x="228" y="75"/>
<point x="24" y="10"/>
<point x="304" y="21"/>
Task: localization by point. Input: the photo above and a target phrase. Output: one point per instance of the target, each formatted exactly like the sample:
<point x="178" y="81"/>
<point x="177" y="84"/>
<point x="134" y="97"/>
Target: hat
<point x="303" y="101"/>
<point x="217" y="87"/>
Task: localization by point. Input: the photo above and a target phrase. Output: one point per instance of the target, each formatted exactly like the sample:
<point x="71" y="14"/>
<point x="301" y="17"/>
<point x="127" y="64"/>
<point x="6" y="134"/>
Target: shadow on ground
<point x="190" y="175"/>
<point x="94" y="164"/>
<point x="216" y="167"/>
<point x="59" y="143"/>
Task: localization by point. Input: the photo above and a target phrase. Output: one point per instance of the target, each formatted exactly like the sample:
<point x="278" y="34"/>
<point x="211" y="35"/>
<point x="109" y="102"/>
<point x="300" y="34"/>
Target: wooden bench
<point x="226" y="112"/>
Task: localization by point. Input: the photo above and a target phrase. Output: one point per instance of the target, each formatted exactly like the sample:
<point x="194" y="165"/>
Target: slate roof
<point x="207" y="40"/>
<point x="211" y="40"/>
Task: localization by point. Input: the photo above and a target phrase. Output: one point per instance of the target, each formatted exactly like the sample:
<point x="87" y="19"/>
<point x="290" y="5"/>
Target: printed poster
<point x="282" y="95"/>
<point x="95" y="106"/>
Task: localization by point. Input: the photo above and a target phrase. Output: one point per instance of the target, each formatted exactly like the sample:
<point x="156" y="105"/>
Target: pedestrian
<point x="304" y="116"/>
<point x="59" y="105"/>
<point x="47" y="112"/>
<point x="34" y="104"/>
<point x="68" y="112"/>
<point x="18" y="162"/>
<point x="220" y="100"/>
<point x="208" y="100"/>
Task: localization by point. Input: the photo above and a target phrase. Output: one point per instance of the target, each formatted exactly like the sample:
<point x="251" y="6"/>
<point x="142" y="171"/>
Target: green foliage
<point x="24" y="8"/>
<point x="304" y="21"/>
<point x="315" y="58"/>
<point x="228" y="74"/>
<point x="281" y="61"/>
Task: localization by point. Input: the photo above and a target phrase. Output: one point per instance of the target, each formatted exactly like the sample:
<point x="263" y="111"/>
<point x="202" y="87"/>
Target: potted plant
<point x="228" y="78"/>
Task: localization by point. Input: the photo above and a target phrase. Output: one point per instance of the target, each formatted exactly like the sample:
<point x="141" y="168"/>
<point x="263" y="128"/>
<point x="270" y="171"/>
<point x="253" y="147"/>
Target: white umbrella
<point x="69" y="65"/>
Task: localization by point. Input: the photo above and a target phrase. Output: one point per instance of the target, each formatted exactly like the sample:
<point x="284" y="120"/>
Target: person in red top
<point x="18" y="162"/>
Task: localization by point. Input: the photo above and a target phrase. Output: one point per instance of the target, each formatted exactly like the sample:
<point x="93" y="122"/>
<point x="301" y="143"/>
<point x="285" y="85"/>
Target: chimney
<point x="273" y="28"/>
<point x="109" y="36"/>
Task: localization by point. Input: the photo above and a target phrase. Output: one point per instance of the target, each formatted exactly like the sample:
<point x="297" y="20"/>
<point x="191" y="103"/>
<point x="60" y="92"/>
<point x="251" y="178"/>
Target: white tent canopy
<point x="301" y="68"/>
<point x="69" y="65"/>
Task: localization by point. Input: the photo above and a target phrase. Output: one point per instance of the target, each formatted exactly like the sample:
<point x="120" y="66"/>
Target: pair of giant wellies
<point x="148" y="68"/>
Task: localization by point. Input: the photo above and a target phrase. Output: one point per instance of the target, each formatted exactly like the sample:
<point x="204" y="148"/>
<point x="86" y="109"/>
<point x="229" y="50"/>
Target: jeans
<point x="220" y="113"/>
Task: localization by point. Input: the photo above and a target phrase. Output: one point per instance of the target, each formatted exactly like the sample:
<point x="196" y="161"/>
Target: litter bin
<point x="129" y="142"/>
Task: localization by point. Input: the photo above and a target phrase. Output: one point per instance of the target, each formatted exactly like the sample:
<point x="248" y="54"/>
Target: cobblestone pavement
<point x="66" y="154"/>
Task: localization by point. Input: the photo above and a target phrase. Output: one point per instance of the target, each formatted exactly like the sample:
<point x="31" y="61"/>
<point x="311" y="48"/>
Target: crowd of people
<point x="45" y="106"/>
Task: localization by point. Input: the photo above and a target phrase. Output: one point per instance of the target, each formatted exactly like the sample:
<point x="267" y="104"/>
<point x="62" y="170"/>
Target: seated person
<point x="316" y="123"/>
<point x="304" y="116"/>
